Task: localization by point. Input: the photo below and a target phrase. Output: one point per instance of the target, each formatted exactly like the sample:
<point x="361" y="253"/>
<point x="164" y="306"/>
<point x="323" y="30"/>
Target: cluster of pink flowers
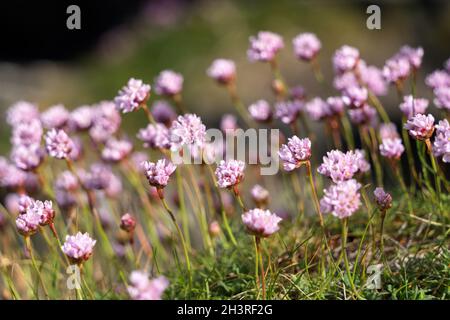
<point x="78" y="248"/>
<point x="295" y="152"/>
<point x="106" y="121"/>
<point x="55" y="117"/>
<point x="158" y="173"/>
<point x="169" y="83"/>
<point x="341" y="166"/>
<point x="230" y="173"/>
<point x="261" y="223"/>
<point x="341" y="199"/>
<point x="264" y="46"/>
<point x="131" y="96"/>
<point x="81" y="118"/>
<point x="142" y="288"/>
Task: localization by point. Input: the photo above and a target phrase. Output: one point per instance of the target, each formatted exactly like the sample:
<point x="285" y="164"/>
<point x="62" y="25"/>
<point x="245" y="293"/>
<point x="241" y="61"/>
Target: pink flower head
<point x="318" y="109"/>
<point x="163" y="112"/>
<point x="78" y="248"/>
<point x="131" y="96"/>
<point x="341" y="199"/>
<point x="168" y="83"/>
<point x="261" y="223"/>
<point x="27" y="133"/>
<point x="396" y="69"/>
<point x="288" y="111"/>
<point x="259" y="194"/>
<point x="264" y="46"/>
<point x="10" y="175"/>
<point x="158" y="173"/>
<point x="228" y="123"/>
<point x="306" y="46"/>
<point x="230" y="173"/>
<point x="187" y="130"/>
<point x="27" y="158"/>
<point x="28" y="223"/>
<point x="373" y="78"/>
<point x="222" y="70"/>
<point x="116" y="150"/>
<point x="336" y="105"/>
<point x="341" y="166"/>
<point x="355" y="96"/>
<point x="67" y="181"/>
<point x="97" y="178"/>
<point x="345" y="59"/>
<point x="383" y="199"/>
<point x="22" y="112"/>
<point x="24" y="203"/>
<point x="363" y="115"/>
<point x="412" y="106"/>
<point x="420" y="126"/>
<point x="388" y="131"/>
<point x="12" y="203"/>
<point x="44" y="210"/>
<point x="392" y="148"/>
<point x="442" y="98"/>
<point x="58" y="144"/>
<point x="81" y="118"/>
<point x="413" y="55"/>
<point x="295" y="152"/>
<point x="127" y="222"/>
<point x="155" y="136"/>
<point x="363" y="164"/>
<point x="260" y="111"/>
<point x="438" y="79"/>
<point x="106" y="121"/>
<point x="345" y="80"/>
<point x="137" y="158"/>
<point x="142" y="288"/>
<point x="55" y="117"/>
<point x="441" y="145"/>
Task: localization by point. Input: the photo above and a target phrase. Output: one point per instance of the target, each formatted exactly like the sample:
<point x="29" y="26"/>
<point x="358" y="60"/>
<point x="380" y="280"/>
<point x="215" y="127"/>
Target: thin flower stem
<point x="183" y="212"/>
<point x="436" y="173"/>
<point x="239" y="105"/>
<point x="260" y="259"/>
<point x="180" y="235"/>
<point x="178" y="100"/>
<point x="374" y="100"/>
<point x="316" y="69"/>
<point x="375" y="158"/>
<point x="237" y="194"/>
<point x="409" y="153"/>
<point x="148" y="114"/>
<point x="397" y="172"/>
<point x="256" y="267"/>
<point x="344" y="249"/>
<point x="348" y="132"/>
<point x="33" y="261"/>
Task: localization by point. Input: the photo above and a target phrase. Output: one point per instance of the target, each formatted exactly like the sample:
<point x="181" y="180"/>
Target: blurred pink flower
<point x="142" y="288"/>
<point x="222" y="70"/>
<point x="27" y="133"/>
<point x="155" y="136"/>
<point x="345" y="59"/>
<point x="131" y="96"/>
<point x="116" y="150"/>
<point x="383" y="199"/>
<point x="127" y="222"/>
<point x="81" y="118"/>
<point x="306" y="46"/>
<point x="259" y="194"/>
<point x="438" y="79"/>
<point x="163" y="112"/>
<point x="261" y="223"/>
<point x="392" y="148"/>
<point x="106" y="121"/>
<point x="22" y="112"/>
<point x="264" y="46"/>
<point x="55" y="117"/>
<point x="288" y="111"/>
<point x="412" y="106"/>
<point x="388" y="131"/>
<point x="260" y="111"/>
<point x="442" y="98"/>
<point x="58" y="144"/>
<point x="168" y="83"/>
<point x="441" y="145"/>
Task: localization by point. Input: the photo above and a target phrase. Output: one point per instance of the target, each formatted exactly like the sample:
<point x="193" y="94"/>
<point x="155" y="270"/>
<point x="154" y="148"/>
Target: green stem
<point x="33" y="261"/>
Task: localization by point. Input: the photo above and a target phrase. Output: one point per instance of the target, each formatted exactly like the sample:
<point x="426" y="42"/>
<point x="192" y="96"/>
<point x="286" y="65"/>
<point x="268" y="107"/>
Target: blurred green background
<point x="187" y="35"/>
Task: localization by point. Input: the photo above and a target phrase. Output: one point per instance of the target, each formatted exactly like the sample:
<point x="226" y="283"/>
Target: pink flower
<point x="168" y="83"/>
<point x="106" y="121"/>
<point x="187" y="130"/>
<point x="24" y="203"/>
<point x="137" y="158"/>
<point x="58" y="144"/>
<point x="363" y="115"/>
<point x="28" y="223"/>
<point x="27" y="133"/>
<point x="336" y="105"/>
<point x="99" y="177"/>
<point x="55" y="117"/>
<point x="142" y="288"/>
<point x="412" y="106"/>
<point x="383" y="199"/>
<point x="260" y="111"/>
<point x="27" y="158"/>
<point x="12" y="203"/>
<point x="295" y="152"/>
<point x="22" y="112"/>
<point x="10" y="175"/>
<point x="259" y="194"/>
<point x="81" y="118"/>
<point x="131" y="96"/>
<point x="222" y="70"/>
<point x="261" y="223"/>
<point x="127" y="222"/>
<point x="396" y="69"/>
<point x="388" y="131"/>
<point x="297" y="93"/>
<point x="373" y="78"/>
<point x="318" y="109"/>
<point x="345" y="80"/>
<point x="345" y="59"/>
<point x="163" y="112"/>
<point x="420" y="126"/>
<point x="341" y="199"/>
<point x="116" y="150"/>
<point x="155" y="136"/>
<point x="45" y="211"/>
<point x="441" y="145"/>
<point x="392" y="148"/>
<point x="288" y="111"/>
<point x="264" y="46"/>
<point x="355" y="96"/>
<point x="158" y="173"/>
<point x="306" y="46"/>
<point x="78" y="248"/>
<point x="442" y="97"/>
<point x="228" y="123"/>
<point x="230" y="173"/>
<point x="413" y="55"/>
<point x="438" y="79"/>
<point x="341" y="166"/>
<point x="66" y="181"/>
<point x="363" y="164"/>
